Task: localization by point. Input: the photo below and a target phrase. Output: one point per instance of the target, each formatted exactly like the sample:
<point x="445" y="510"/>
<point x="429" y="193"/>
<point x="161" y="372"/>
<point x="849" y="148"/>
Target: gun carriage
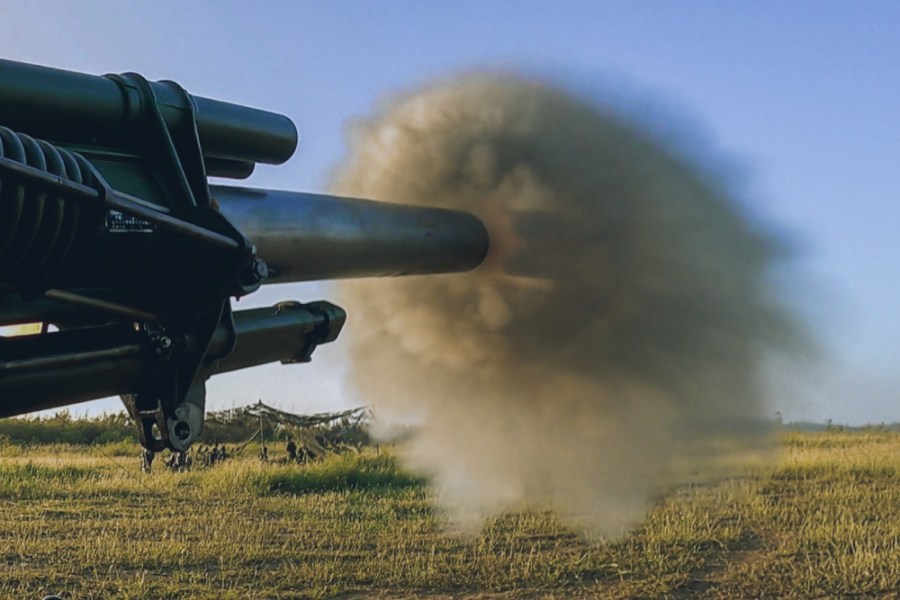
<point x="113" y="239"/>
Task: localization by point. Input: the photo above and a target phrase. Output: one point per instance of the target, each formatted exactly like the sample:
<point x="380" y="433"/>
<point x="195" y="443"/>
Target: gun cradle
<point x="110" y="233"/>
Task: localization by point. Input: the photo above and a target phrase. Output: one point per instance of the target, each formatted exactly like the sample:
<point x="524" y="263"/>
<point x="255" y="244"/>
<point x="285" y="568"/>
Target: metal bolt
<point x="182" y="430"/>
<point x="260" y="269"/>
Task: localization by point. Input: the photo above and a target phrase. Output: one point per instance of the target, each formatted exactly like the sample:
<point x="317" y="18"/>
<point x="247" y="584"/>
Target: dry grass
<point x="823" y="521"/>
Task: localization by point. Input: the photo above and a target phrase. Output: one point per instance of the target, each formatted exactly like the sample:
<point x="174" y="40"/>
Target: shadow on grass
<point x="32" y="480"/>
<point x="345" y="473"/>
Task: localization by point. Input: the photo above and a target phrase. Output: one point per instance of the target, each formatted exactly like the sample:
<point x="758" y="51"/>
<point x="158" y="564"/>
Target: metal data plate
<point x="118" y="222"/>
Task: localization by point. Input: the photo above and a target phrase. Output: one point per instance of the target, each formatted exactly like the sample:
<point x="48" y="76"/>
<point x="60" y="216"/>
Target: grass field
<point x="823" y="520"/>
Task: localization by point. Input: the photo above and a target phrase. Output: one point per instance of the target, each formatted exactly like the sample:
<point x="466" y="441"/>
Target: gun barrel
<point x="308" y="237"/>
<point x="68" y="107"/>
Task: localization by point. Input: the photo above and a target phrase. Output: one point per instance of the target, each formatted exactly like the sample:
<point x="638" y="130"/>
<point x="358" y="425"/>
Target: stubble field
<point x="821" y="520"/>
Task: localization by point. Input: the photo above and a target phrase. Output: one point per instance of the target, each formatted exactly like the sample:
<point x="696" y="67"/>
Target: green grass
<point x="344" y="473"/>
<point x="822" y="521"/>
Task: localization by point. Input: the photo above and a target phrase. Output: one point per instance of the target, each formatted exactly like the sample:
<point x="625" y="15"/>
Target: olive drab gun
<point x="112" y="238"/>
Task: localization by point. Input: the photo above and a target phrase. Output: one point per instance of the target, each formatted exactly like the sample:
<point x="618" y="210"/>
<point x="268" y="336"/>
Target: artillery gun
<point x="113" y="239"/>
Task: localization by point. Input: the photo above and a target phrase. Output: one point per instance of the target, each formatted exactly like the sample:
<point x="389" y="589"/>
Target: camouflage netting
<point x="320" y="432"/>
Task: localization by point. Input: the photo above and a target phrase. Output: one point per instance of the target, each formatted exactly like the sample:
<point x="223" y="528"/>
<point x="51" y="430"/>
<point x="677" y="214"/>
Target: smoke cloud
<point x="612" y="341"/>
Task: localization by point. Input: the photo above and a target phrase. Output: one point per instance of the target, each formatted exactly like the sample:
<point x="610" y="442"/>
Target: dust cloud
<point x="612" y="343"/>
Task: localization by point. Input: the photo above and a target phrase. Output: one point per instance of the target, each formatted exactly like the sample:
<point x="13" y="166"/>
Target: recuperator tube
<point x="57" y="369"/>
<point x="310" y="237"/>
<point x="69" y="107"/>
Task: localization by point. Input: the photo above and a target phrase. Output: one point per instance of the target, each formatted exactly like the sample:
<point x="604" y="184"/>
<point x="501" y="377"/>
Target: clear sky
<point x="798" y="99"/>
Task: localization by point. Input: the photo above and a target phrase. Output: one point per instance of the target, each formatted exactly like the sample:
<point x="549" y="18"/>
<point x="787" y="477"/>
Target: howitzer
<point x="112" y="238"/>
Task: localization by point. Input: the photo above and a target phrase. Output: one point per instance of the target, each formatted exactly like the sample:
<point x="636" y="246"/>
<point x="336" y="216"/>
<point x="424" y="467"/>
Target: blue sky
<point x="796" y="101"/>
